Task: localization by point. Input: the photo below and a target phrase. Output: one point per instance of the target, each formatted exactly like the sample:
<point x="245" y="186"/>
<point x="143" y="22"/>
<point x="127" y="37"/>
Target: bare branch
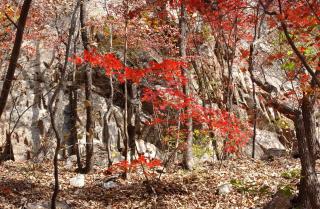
<point x="9" y="18"/>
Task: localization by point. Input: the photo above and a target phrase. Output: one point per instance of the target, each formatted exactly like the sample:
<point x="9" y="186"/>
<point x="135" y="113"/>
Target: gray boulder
<point x="267" y="146"/>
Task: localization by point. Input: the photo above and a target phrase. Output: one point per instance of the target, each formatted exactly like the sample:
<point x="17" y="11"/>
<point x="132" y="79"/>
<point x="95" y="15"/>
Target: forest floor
<point x="253" y="182"/>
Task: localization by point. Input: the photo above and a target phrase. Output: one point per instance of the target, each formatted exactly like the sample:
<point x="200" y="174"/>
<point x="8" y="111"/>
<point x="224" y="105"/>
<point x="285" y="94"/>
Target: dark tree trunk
<point x="14" y="55"/>
<point x="52" y="111"/>
<point x="7" y="153"/>
<point x="254" y="99"/>
<point x="126" y="98"/>
<point x="309" y="191"/>
<point x="88" y="92"/>
<point x="73" y="139"/>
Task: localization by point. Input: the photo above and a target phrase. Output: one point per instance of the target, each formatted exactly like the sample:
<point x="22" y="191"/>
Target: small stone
<point x="224" y="188"/>
<point x="77" y="181"/>
<point x="110" y="185"/>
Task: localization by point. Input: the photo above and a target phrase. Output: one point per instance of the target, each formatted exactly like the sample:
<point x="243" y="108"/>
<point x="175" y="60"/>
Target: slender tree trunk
<point x="56" y="152"/>
<point x="14" y="55"/>
<point x="133" y="118"/>
<point x="88" y="91"/>
<point x="125" y="115"/>
<point x="106" y="135"/>
<point x="106" y="119"/>
<point x="73" y="139"/>
<point x="254" y="101"/>
<point x="188" y="156"/>
<point x="177" y="140"/>
<point x="52" y="111"/>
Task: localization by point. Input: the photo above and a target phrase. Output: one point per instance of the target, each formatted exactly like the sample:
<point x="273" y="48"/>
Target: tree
<point x="14" y="54"/>
<point x="297" y="61"/>
<point x="188" y="157"/>
<point x="88" y="91"/>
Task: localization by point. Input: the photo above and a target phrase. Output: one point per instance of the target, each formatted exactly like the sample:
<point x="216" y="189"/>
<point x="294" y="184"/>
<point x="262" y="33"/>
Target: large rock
<point x="267" y="145"/>
<point x="147" y="149"/>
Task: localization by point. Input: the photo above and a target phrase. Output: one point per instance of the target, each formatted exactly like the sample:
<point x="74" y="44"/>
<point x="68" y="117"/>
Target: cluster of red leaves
<point x="170" y="96"/>
<point x="124" y="165"/>
<point x="302" y="21"/>
<point x="223" y="124"/>
<point x="168" y="70"/>
<point x="225" y="17"/>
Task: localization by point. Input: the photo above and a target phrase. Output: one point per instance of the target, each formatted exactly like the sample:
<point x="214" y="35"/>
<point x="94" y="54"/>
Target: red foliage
<point x="171" y="96"/>
<point x="124" y="165"/>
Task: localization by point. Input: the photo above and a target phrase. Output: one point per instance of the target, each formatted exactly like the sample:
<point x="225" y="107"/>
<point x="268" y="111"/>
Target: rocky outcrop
<point x="267" y="145"/>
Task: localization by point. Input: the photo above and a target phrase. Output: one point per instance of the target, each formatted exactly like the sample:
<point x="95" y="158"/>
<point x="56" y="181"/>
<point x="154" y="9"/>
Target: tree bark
<point x="126" y="98"/>
<point x="88" y="92"/>
<point x="309" y="189"/>
<point x="52" y="112"/>
<point x="106" y="135"/>
<point x="307" y="143"/>
<point x="188" y="155"/>
<point x="14" y="55"/>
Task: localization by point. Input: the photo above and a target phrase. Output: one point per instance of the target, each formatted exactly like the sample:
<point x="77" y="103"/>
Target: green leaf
<point x="290" y="66"/>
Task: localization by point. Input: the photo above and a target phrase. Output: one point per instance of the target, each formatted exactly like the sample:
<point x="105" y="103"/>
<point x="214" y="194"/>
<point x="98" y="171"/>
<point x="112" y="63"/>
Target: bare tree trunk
<point x="88" y="92"/>
<point x="73" y="97"/>
<point x="188" y="156"/>
<point x="125" y="116"/>
<point x="52" y="112"/>
<point x="56" y="152"/>
<point x="14" y="55"/>
<point x="106" y="135"/>
<point x="177" y="139"/>
<point x="309" y="190"/>
<point x="133" y="119"/>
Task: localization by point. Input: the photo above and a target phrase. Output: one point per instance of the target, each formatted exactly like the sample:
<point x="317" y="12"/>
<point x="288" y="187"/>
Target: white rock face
<point x="265" y="140"/>
<point x="147" y="149"/>
<point x="77" y="181"/>
<point x="141" y="147"/>
<point x="151" y="150"/>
